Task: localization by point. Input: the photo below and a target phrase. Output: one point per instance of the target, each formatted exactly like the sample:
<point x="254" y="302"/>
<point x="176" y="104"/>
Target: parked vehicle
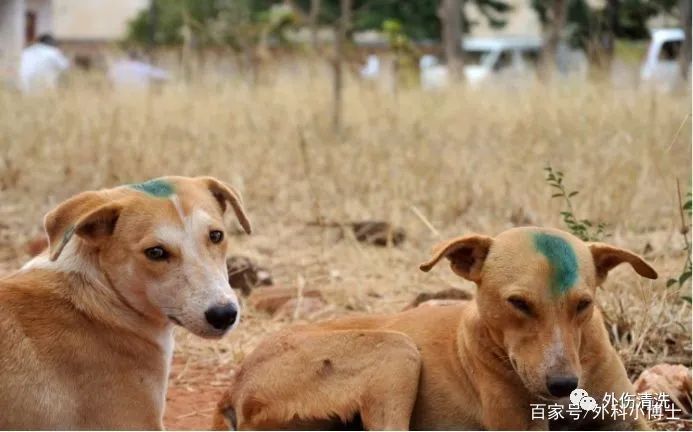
<point x="511" y="57"/>
<point x="661" y="66"/>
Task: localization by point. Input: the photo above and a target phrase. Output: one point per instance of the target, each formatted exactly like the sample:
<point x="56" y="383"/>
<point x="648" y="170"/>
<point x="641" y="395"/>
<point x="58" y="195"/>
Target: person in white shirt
<point x="41" y="65"/>
<point x="433" y="75"/>
<point x="134" y="73"/>
<point x="371" y="69"/>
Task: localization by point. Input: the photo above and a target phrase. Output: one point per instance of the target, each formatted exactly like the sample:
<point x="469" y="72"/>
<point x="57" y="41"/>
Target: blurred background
<point x="360" y="133"/>
<point x="628" y="42"/>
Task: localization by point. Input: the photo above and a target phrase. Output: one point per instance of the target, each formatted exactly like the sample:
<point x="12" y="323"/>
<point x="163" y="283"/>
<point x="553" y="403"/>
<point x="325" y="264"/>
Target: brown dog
<point x="86" y="328"/>
<point x="532" y="335"/>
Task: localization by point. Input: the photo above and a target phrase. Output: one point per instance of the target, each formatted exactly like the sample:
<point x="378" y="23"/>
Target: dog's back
<point x="417" y="329"/>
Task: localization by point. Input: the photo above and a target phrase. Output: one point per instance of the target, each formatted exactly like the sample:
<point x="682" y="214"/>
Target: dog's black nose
<point x="221" y="317"/>
<point x="561" y="385"/>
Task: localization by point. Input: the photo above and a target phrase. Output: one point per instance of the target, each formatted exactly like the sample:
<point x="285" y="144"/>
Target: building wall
<point x="94" y="20"/>
<point x="44" y="15"/>
<point x="11" y="37"/>
<point x="520" y="21"/>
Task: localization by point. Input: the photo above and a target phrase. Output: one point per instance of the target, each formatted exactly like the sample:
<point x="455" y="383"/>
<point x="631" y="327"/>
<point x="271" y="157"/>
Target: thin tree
<point x="313" y="17"/>
<point x="151" y="36"/>
<point x="612" y="29"/>
<point x="557" y="17"/>
<point x="685" y="57"/>
<point x="450" y="15"/>
<point x="603" y="26"/>
<point x="341" y="30"/>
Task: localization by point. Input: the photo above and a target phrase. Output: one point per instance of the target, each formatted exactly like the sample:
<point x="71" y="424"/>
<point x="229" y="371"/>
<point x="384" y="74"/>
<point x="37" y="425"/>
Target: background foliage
<point x="227" y="21"/>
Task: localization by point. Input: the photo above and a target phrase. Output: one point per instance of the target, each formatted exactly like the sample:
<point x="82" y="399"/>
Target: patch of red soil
<point x="193" y="393"/>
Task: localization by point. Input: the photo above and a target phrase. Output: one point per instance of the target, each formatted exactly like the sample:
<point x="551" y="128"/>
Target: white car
<point x="510" y="57"/>
<point x="661" y="66"/>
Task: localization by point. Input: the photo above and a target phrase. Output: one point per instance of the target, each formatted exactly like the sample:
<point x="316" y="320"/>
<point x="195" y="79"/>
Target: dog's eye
<point x="156" y="253"/>
<point x="521" y="305"/>
<point x="216" y="236"/>
<point x="583" y="304"/>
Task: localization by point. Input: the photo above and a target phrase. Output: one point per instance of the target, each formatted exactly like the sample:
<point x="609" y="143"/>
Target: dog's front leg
<point x="609" y="377"/>
<point x="604" y="373"/>
<point x="506" y="408"/>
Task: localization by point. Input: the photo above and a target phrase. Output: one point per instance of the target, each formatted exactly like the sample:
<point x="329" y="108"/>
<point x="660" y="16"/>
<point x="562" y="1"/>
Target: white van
<point x="661" y="66"/>
<point x="510" y="57"/>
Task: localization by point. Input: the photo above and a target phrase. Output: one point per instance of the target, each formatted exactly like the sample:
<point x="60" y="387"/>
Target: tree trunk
<point x="685" y="57"/>
<point x="341" y="30"/>
<point x="553" y="38"/>
<point x="612" y="27"/>
<point x="450" y="15"/>
<point x="313" y="16"/>
<point x="601" y="45"/>
<point x="188" y="45"/>
<point x="151" y="36"/>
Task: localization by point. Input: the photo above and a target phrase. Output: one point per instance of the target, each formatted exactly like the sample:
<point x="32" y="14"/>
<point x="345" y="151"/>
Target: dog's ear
<point x="466" y="254"/>
<point x="606" y="257"/>
<point x="88" y="215"/>
<point x="226" y="194"/>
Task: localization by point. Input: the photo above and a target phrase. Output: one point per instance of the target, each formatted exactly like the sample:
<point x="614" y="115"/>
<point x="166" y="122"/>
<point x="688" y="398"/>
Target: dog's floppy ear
<point x="226" y="194"/>
<point x="88" y="215"/>
<point x="606" y="257"/>
<point x="466" y="255"/>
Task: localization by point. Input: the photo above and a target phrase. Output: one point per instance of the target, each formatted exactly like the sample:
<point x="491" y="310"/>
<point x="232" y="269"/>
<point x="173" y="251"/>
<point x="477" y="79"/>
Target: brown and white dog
<point x="86" y="328"/>
<point x="532" y="335"/>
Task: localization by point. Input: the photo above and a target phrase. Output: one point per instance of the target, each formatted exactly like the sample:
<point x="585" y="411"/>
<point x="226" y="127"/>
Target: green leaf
<point x="572" y="194"/>
<point x="686" y="298"/>
<point x="671" y="282"/>
<point x="684" y="277"/>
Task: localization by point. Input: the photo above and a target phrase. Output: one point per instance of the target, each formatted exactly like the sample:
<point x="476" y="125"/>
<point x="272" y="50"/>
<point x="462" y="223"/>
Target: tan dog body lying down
<point x="86" y="328"/>
<point x="531" y="336"/>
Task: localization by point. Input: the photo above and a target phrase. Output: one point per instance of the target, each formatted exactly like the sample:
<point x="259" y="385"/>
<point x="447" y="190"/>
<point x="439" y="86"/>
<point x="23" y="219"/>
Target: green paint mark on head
<point x="156" y="187"/>
<point x="562" y="259"/>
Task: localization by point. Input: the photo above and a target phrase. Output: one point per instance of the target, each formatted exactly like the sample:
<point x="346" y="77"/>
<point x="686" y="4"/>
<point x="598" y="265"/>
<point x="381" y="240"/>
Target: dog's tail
<point x="225" y="415"/>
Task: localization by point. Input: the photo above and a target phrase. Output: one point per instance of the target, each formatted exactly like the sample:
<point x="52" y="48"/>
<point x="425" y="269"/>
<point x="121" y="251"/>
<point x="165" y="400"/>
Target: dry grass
<point x="465" y="160"/>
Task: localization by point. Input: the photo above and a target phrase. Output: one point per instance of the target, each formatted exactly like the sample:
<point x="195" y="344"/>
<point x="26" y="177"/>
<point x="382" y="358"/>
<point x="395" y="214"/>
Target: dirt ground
<point x="190" y="403"/>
